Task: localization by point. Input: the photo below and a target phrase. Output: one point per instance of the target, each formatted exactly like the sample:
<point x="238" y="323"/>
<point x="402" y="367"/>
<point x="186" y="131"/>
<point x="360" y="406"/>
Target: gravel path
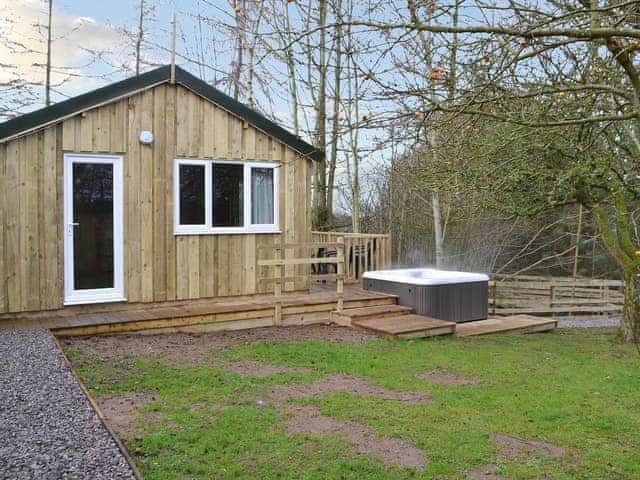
<point x="589" y="322"/>
<point x="48" y="430"/>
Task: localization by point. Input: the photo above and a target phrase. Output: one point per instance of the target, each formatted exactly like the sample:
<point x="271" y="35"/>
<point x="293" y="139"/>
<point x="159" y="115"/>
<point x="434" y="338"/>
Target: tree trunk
<point x="335" y="121"/>
<point x="630" y="321"/>
<point x="47" y="82"/>
<point x="621" y="246"/>
<point x="239" y="50"/>
<point x="139" y="37"/>
<point x="291" y="68"/>
<point x="251" y="55"/>
<point x="352" y="113"/>
<point x="437" y="229"/>
<point x="320" y="213"/>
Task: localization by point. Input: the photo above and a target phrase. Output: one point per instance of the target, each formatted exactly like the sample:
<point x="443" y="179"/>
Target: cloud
<point x="80" y="45"/>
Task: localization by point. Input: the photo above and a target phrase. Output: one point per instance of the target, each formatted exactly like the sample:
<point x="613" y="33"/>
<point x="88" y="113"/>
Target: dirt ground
<point x="513" y="447"/>
<point x="123" y="413"/>
<point x="308" y="420"/>
<point x="341" y="383"/>
<point x="485" y="473"/>
<point x="257" y="369"/>
<point x="195" y="348"/>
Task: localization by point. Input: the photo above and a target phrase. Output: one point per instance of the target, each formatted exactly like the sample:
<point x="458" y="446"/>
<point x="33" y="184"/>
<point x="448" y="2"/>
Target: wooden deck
<point x="512" y="324"/>
<point x="392" y="321"/>
<point x="407" y="326"/>
<point x="351" y="315"/>
<point x="396" y="321"/>
<point x="230" y="313"/>
<point x="364" y="309"/>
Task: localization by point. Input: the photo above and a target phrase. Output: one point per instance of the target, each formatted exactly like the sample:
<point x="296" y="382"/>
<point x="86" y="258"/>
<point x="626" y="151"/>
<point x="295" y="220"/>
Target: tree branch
<point x="557" y="123"/>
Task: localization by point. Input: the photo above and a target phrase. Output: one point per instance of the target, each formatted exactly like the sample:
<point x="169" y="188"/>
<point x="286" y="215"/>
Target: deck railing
<point x="557" y="296"/>
<point x="363" y="252"/>
<point x="284" y="267"/>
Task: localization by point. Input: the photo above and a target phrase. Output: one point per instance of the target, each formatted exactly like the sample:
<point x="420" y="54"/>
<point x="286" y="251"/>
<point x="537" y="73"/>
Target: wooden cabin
<point x="154" y="190"/>
<point x="145" y="191"/>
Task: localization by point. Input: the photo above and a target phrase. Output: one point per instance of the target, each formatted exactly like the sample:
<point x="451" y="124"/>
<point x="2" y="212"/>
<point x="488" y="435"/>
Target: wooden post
<point x="340" y="274"/>
<point x="494" y="288"/>
<point x="277" y="318"/>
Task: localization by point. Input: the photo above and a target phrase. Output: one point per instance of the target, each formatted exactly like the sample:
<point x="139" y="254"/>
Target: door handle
<point x="70" y="226"/>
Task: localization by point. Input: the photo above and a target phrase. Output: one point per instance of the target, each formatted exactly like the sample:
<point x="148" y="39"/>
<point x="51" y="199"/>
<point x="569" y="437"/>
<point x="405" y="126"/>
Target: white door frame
<point x="101" y="295"/>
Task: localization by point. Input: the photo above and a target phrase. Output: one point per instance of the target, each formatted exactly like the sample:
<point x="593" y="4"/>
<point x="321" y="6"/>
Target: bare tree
<point x="47" y="83"/>
<point x="528" y="64"/>
<point x="139" y="36"/>
<point x="320" y="128"/>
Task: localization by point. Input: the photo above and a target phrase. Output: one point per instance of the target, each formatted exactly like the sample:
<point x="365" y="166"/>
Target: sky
<point x="91" y="48"/>
<point x="79" y="28"/>
<point x="83" y="27"/>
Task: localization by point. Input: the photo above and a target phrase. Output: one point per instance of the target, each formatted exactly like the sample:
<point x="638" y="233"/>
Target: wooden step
<point x="209" y="315"/>
<point x="349" y="315"/>
<point x="512" y="324"/>
<point x="406" y="326"/>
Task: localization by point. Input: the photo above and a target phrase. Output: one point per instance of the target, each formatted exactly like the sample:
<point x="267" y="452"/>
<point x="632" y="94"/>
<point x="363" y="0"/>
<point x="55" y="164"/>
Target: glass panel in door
<point x="93" y="226"/>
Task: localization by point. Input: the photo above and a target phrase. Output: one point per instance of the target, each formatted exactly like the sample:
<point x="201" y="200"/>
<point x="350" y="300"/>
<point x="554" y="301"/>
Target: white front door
<point x="93" y="241"/>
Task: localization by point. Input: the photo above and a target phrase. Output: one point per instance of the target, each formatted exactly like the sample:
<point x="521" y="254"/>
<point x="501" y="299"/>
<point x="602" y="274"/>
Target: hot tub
<point x="447" y="295"/>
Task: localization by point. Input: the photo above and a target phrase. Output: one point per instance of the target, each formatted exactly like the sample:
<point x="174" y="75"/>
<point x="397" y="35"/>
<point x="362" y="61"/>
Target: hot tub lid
<point x="425" y="276"/>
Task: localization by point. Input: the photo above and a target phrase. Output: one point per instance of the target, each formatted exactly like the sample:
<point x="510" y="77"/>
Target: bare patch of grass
<point x="122" y="412"/>
<point x="308" y="420"/>
<point x="184" y="348"/>
<point x="511" y="446"/>
<point x="488" y="472"/>
<point x="342" y="383"/>
<point x="258" y="369"/>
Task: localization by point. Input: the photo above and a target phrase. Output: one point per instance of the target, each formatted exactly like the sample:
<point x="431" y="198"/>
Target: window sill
<point x="87" y="300"/>
<point x="228" y="231"/>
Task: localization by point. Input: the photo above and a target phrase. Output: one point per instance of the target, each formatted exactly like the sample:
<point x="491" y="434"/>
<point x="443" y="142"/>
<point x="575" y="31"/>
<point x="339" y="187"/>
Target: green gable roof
<point x="48" y="115"/>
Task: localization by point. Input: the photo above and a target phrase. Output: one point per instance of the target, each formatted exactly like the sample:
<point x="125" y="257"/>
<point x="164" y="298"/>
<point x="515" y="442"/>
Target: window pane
<point x="93" y="234"/>
<point x="191" y="194"/>
<point x="228" y="195"/>
<point x="262" y="196"/>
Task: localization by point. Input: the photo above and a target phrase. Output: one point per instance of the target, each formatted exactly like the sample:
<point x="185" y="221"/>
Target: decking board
<point x="406" y="326"/>
<point x="377" y="311"/>
<point x="298" y="307"/>
<point x="511" y="324"/>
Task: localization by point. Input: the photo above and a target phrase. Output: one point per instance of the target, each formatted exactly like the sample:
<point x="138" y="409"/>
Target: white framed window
<point x="220" y="196"/>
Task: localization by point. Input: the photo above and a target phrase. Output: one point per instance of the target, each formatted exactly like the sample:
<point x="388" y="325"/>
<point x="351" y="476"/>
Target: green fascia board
<point x="48" y="115"/>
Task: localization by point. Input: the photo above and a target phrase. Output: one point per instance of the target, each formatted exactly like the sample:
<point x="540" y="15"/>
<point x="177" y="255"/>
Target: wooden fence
<point x="288" y="269"/>
<point x="556" y="296"/>
<point x="363" y="252"/>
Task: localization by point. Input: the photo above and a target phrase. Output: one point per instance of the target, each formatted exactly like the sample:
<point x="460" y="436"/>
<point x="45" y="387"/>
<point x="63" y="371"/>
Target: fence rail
<point x="285" y="264"/>
<point x="557" y="296"/>
<point x="363" y="252"/>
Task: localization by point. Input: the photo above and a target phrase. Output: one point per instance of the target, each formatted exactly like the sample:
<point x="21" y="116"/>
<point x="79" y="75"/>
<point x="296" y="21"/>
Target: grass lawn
<point x="576" y="390"/>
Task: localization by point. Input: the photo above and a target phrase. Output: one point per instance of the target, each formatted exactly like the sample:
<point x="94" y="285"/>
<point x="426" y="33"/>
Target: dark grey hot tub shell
<point x="455" y="302"/>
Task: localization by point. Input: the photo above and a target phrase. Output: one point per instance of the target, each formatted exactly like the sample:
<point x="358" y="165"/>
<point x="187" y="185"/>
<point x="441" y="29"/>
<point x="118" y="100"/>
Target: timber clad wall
<point x="158" y="265"/>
